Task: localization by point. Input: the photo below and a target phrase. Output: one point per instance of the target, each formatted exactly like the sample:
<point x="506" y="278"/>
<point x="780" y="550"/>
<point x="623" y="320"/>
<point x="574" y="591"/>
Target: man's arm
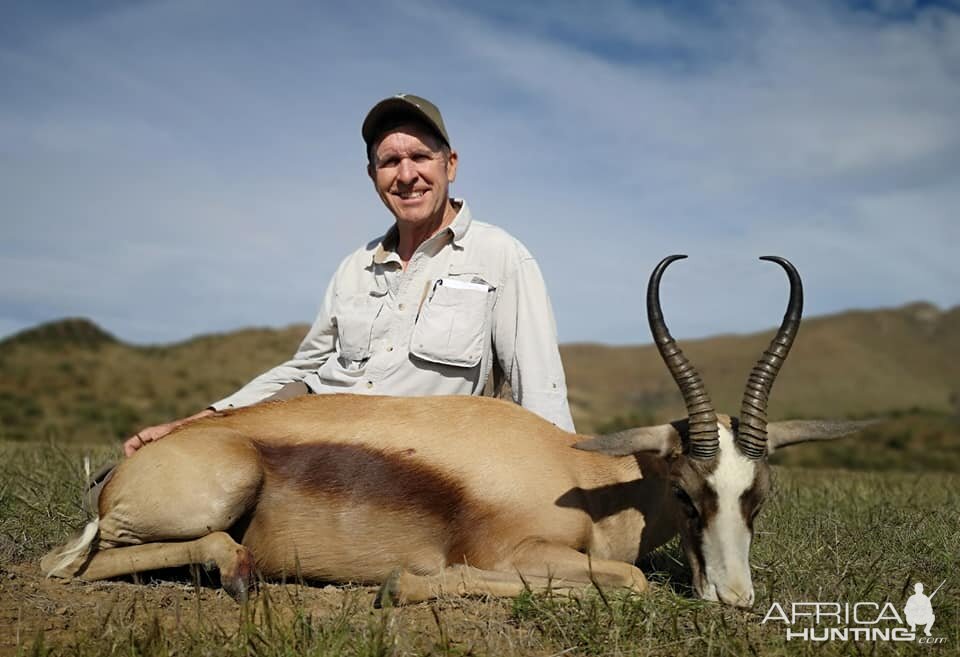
<point x="525" y="338"/>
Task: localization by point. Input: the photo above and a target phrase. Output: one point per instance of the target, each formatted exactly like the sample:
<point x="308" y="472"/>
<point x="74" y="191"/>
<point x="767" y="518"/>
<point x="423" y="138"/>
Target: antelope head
<point x="718" y="464"/>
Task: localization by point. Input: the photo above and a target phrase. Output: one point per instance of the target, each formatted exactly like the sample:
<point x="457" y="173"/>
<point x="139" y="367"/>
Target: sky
<point x="173" y="167"/>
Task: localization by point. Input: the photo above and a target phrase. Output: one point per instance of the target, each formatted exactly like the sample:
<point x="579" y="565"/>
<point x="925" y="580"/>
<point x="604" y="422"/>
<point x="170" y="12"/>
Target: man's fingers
<point x="154" y="433"/>
<point x="130" y="446"/>
<point x="135" y="442"/>
<point x="144" y="436"/>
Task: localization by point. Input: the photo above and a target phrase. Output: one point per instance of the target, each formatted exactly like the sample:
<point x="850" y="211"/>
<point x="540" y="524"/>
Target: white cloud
<point x="171" y="168"/>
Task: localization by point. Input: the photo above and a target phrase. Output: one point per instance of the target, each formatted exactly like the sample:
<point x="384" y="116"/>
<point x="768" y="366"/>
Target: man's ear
<point x="784" y="434"/>
<point x="663" y="439"/>
<point x="452" y="160"/>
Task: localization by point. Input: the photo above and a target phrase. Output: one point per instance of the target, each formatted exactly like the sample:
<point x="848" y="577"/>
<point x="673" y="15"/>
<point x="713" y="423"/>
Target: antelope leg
<point x="403" y="587"/>
<point x="538" y="566"/>
<point x="234" y="561"/>
<point x="559" y="562"/>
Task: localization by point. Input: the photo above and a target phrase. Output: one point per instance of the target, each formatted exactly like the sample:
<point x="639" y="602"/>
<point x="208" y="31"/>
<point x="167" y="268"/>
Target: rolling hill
<point x="72" y="381"/>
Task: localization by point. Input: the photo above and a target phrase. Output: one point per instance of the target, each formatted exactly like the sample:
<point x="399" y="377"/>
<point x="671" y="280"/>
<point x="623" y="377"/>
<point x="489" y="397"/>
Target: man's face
<point x="412" y="174"/>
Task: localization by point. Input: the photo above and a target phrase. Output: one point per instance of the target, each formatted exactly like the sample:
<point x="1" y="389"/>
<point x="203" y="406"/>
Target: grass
<point x="824" y="535"/>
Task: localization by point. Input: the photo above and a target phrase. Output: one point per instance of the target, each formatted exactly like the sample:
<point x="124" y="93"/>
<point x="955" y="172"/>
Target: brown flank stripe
<point x="393" y="480"/>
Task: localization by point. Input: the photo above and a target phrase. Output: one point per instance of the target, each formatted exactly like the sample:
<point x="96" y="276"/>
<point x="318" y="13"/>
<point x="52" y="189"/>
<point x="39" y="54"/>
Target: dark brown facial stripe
<point x="709" y="506"/>
<point x="752" y="498"/>
<point x="392" y="480"/>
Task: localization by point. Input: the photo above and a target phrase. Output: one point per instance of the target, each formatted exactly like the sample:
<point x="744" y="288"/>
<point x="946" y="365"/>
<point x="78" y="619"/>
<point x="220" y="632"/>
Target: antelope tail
<point x="63" y="561"/>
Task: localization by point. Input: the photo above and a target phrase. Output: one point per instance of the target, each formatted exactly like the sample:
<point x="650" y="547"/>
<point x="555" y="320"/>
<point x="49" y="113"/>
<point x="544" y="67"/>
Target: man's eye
<point x="420" y="157"/>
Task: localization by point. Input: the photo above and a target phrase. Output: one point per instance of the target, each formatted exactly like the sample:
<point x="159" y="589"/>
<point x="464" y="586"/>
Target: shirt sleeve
<point x="525" y="340"/>
<point x="311" y="354"/>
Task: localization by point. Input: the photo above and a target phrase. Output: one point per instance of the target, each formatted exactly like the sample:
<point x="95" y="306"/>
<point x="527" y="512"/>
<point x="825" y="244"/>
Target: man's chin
<point x="412" y="217"/>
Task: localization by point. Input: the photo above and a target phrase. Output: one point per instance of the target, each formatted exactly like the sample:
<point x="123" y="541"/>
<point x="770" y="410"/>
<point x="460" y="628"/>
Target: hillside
<point x="857" y="363"/>
<point x="72" y="381"/>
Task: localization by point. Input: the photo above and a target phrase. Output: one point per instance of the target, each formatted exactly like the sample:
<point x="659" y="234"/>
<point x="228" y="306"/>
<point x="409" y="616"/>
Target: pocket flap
<point x="472" y="274"/>
<point x="354" y="318"/>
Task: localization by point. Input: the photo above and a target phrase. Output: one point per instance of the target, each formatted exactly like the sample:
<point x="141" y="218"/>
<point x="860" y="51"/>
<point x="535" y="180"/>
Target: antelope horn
<point x="752" y="433"/>
<point x="703" y="433"/>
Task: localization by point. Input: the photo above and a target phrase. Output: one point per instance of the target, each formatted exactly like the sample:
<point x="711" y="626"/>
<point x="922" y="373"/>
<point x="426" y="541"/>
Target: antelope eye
<point x="688" y="505"/>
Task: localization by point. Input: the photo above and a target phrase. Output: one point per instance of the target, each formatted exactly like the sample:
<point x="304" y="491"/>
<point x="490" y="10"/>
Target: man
<point x="430" y="307"/>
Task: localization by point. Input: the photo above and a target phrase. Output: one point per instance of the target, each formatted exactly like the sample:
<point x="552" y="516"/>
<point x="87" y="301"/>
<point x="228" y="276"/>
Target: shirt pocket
<point x="355" y="316"/>
<point x="453" y="324"/>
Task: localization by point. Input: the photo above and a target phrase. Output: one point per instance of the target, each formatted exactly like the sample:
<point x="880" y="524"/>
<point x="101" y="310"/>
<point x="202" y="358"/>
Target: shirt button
<point x="390" y="348"/>
<point x="369" y="384"/>
<point x="401" y="306"/>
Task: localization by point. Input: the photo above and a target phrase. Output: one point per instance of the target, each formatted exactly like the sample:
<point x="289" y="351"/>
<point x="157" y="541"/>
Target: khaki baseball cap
<point x="397" y="106"/>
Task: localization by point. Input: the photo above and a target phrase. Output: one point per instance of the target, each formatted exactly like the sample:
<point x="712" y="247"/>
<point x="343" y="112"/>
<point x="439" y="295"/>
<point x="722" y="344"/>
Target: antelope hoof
<point x="389" y="593"/>
<point x="641" y="584"/>
<point x="238" y="578"/>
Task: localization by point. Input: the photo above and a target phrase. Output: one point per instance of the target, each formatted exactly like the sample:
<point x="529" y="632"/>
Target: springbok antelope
<point x="450" y="495"/>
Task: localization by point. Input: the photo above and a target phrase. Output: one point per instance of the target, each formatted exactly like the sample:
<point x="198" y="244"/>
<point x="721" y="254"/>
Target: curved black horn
<point x="752" y="434"/>
<point x="704" y="436"/>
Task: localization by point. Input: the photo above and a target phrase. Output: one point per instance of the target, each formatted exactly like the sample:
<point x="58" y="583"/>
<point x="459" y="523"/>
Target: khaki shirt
<point x="470" y="294"/>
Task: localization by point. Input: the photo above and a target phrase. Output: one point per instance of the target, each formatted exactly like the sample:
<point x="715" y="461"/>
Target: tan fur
<point x="351" y="488"/>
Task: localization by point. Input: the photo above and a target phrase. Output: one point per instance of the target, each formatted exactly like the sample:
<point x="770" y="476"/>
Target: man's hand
<point x="148" y="435"/>
<point x="144" y="436"/>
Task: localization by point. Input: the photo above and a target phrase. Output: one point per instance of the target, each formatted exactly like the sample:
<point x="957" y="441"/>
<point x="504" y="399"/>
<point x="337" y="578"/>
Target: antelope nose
<point x="736" y="598"/>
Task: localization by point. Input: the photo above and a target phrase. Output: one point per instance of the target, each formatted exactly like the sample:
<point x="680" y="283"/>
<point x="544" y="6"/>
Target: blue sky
<point x="169" y="168"/>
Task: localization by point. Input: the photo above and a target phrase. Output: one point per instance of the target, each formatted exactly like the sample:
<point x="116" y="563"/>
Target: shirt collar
<point x="386" y="250"/>
<point x="461" y="223"/>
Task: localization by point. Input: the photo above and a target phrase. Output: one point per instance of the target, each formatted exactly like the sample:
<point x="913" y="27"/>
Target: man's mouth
<point x="411" y="196"/>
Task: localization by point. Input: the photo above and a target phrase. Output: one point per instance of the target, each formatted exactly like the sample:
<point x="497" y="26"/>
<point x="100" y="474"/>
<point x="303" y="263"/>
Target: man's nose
<point x="407" y="171"/>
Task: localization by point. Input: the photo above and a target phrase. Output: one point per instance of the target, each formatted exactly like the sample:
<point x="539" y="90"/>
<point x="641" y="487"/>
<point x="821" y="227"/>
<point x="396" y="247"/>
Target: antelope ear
<point x="664" y="439"/>
<point x="783" y="434"/>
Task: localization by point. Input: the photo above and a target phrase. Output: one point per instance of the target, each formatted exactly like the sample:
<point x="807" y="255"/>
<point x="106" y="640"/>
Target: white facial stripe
<point x="726" y="542"/>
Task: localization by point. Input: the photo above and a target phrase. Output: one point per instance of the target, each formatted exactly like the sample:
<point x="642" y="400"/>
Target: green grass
<point x="824" y="535"/>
